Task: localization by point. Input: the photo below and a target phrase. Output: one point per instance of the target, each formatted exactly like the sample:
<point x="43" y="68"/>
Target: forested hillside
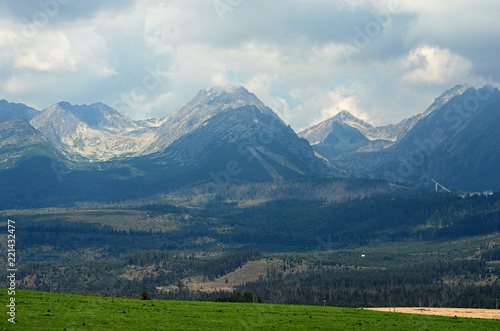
<point x="293" y="253"/>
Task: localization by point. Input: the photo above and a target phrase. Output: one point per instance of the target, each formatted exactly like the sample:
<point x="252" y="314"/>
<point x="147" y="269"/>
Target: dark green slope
<point x="31" y="169"/>
<point x="16" y="110"/>
<point x="20" y="141"/>
<point x="458" y="145"/>
<point x="242" y="144"/>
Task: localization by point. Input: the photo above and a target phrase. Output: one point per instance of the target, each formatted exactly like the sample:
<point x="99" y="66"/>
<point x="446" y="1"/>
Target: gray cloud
<point x="63" y="10"/>
<point x="305" y="59"/>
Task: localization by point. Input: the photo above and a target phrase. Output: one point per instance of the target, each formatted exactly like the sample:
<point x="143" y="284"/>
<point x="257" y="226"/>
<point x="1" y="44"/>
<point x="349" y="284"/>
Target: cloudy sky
<point x="307" y="59"/>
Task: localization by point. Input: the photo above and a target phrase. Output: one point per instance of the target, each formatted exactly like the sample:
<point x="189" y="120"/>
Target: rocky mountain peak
<point x="391" y="133"/>
<point x="344" y="114"/>
<point x="228" y="89"/>
<point x="97" y="116"/>
<point x="205" y="105"/>
<point x="95" y="131"/>
<point x="62" y="105"/>
<point x="319" y="132"/>
<point x="446" y="96"/>
<point x="346" y="117"/>
<point x="221" y="98"/>
<point x="13" y="110"/>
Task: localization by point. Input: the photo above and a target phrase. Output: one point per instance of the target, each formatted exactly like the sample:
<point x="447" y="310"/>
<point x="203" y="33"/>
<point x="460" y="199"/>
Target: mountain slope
<point x="457" y="144"/>
<point x="344" y="134"/>
<point x="227" y="134"/>
<point x="318" y="133"/>
<point x="31" y="168"/>
<point x="13" y="110"/>
<point x="230" y="127"/>
<point x="400" y="129"/>
<point x="96" y="132"/>
<point x="221" y="135"/>
<point x="202" y="107"/>
<point x="20" y="141"/>
<point x="244" y="143"/>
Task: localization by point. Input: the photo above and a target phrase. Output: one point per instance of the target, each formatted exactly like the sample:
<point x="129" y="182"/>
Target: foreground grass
<point x="52" y="311"/>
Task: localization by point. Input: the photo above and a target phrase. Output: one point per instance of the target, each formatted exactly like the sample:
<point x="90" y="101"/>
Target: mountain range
<point x="344" y="133"/>
<point x="456" y="142"/>
<point x="69" y="153"/>
<point x="226" y="133"/>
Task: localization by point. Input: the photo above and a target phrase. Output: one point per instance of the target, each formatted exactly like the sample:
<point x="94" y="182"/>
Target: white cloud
<point x="288" y="52"/>
<point x="15" y="85"/>
<point x="427" y="64"/>
<point x="49" y="52"/>
<point x="160" y="101"/>
<point x="343" y="98"/>
<point x="78" y="48"/>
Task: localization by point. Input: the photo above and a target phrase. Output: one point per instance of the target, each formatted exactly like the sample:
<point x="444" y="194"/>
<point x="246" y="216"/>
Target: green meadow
<point x="54" y="311"/>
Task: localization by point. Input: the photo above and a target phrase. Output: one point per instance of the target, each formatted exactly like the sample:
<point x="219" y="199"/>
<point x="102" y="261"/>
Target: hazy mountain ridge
<point x="96" y="132"/>
<point x="456" y="144"/>
<point x="202" y="107"/>
<point x="337" y="135"/>
<point x="19" y="140"/>
<point x="344" y="133"/>
<point x="227" y="134"/>
<point x="222" y="135"/>
<point x="13" y="110"/>
<point x="400" y="129"/>
<point x="256" y="141"/>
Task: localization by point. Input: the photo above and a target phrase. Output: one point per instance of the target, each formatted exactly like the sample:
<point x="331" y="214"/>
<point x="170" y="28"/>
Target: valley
<point x="249" y="165"/>
<point x="69" y="154"/>
<point x="221" y="198"/>
<point x="283" y="251"/>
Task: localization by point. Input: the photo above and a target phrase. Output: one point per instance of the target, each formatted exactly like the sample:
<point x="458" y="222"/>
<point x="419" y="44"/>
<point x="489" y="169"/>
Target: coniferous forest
<point x="403" y="249"/>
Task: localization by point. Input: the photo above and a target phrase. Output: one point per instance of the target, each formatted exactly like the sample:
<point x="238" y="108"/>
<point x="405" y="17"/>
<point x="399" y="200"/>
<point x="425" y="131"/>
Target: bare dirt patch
<point x="133" y="272"/>
<point x="459" y="312"/>
<point x="249" y="272"/>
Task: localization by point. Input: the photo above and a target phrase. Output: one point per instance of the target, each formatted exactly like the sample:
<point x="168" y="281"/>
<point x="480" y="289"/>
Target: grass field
<point x="52" y="311"/>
